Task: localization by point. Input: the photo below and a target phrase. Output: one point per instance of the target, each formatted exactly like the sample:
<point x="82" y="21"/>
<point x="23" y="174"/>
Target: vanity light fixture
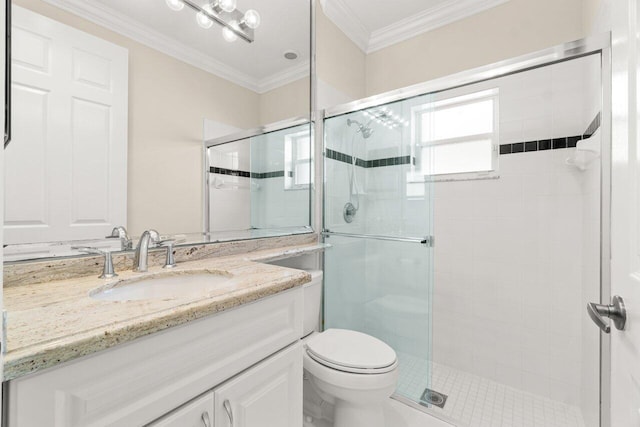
<point x="224" y="12"/>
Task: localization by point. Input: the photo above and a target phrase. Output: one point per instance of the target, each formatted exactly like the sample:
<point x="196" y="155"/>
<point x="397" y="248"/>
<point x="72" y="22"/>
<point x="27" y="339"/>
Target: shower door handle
<point x="615" y="311"/>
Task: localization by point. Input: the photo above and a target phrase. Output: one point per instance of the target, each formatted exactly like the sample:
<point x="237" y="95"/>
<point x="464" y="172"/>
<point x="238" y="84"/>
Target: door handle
<point x="615" y="311"/>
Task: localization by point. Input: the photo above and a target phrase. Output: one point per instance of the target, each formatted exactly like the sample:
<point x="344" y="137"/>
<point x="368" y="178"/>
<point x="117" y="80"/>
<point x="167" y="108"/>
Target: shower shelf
<point x="427" y="240"/>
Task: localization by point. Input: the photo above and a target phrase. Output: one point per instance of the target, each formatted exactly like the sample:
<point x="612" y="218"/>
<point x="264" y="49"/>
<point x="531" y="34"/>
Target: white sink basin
<point x="163" y="286"/>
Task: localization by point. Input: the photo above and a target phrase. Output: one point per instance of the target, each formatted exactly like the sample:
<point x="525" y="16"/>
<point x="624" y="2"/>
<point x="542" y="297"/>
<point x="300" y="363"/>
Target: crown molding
<point x="282" y="78"/>
<point x="428" y="20"/>
<point x="135" y="30"/>
<point x="343" y="16"/>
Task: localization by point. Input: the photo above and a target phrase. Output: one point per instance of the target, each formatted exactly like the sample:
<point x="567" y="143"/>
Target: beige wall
<point x="168" y="100"/>
<point x="339" y="62"/>
<point x="285" y="102"/>
<point x="589" y="14"/>
<point x="511" y="29"/>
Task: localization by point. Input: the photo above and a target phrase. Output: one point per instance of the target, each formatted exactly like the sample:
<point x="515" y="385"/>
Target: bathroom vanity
<point x="229" y="358"/>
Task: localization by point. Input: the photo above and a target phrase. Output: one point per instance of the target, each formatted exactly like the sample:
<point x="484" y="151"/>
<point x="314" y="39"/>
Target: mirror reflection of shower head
<point x="365" y="130"/>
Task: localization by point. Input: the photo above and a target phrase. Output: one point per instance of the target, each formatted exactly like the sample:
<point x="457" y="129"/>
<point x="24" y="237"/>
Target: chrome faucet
<point x="140" y="261"/>
<point x="121" y="233"/>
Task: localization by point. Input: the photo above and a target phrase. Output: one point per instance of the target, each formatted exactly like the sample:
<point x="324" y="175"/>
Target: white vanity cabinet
<point x="249" y="356"/>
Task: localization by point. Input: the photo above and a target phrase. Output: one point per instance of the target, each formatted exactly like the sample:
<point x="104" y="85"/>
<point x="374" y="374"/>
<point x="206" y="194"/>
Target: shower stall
<point x="464" y="222"/>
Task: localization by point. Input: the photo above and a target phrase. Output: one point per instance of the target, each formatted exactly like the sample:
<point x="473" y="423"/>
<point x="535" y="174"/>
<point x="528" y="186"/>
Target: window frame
<point x="290" y="165"/>
<point x="418" y="112"/>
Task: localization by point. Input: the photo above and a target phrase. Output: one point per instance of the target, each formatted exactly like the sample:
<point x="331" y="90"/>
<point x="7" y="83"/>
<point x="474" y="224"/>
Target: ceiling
<point x="375" y="24"/>
<point x="259" y="66"/>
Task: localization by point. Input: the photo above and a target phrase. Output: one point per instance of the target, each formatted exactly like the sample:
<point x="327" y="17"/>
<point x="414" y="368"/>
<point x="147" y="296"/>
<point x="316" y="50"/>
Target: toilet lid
<point x="351" y="351"/>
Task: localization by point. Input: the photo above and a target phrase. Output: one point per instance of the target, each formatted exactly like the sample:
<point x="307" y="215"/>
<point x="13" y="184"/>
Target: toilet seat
<point x="351" y="351"/>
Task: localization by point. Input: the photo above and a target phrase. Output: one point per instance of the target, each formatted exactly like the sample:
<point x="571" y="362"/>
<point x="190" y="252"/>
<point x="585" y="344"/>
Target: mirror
<point x="109" y="100"/>
<point x="270" y="172"/>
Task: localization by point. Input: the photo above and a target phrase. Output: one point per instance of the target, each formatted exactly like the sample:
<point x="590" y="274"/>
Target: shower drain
<point x="432" y="397"/>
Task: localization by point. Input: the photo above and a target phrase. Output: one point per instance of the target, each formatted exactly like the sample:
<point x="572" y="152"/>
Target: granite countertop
<point x="55" y="322"/>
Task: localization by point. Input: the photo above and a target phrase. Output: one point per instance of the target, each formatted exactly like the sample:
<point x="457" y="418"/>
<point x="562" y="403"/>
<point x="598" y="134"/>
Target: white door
<point x="66" y="167"/>
<point x="625" y="214"/>
<point x="267" y="395"/>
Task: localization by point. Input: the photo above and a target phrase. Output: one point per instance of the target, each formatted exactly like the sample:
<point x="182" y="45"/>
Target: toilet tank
<point x="312" y="302"/>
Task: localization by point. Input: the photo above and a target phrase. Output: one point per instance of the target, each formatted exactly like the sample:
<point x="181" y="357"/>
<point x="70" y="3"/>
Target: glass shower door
<point x="382" y="288"/>
<point x="378" y="210"/>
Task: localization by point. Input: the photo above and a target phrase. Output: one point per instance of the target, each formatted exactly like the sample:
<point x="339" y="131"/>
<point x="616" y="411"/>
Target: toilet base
<point x="349" y="415"/>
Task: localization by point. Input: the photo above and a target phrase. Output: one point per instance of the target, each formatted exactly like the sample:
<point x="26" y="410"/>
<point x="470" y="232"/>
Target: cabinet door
<point x="267" y="395"/>
<point x="197" y="413"/>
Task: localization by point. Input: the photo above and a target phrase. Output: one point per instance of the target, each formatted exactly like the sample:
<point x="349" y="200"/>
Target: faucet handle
<point x="107" y="271"/>
<point x="89" y="250"/>
<point x="154" y="237"/>
<point x="170" y="261"/>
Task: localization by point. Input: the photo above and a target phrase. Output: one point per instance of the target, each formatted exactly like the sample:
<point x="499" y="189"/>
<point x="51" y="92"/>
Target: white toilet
<point x="354" y="372"/>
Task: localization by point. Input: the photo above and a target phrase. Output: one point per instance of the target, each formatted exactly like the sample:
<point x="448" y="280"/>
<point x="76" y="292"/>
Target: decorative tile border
<point x="551" y="144"/>
<point x="264" y="175"/>
<point x="389" y="161"/>
<point x="540" y="145"/>
<point x="231" y="172"/>
<point x="593" y="126"/>
<point x="245" y="174"/>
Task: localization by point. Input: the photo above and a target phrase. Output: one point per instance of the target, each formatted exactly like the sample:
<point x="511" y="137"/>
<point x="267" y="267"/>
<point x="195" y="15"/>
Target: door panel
<point x="66" y="170"/>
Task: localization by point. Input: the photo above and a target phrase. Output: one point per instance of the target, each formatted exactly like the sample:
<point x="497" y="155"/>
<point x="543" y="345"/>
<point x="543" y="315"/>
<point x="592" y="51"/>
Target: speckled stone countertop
<point x="55" y="322"/>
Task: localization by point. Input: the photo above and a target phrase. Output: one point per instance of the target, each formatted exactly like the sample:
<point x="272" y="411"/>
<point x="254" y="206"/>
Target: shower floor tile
<point x="478" y="402"/>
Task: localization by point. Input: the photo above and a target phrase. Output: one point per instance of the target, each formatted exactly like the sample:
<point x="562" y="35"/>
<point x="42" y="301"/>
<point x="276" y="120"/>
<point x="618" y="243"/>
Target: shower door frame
<point x="598" y="44"/>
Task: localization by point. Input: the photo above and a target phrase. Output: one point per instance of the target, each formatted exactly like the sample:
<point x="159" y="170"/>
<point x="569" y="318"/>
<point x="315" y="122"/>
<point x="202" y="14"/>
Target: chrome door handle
<point x="616" y="312"/>
<point x="227" y="408"/>
<point x="206" y="421"/>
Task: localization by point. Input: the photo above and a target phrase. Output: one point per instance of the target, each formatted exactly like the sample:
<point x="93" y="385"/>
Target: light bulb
<point x="228" y="34"/>
<point x="176" y="5"/>
<point x="252" y="19"/>
<point x="203" y="20"/>
<point x="227" y="5"/>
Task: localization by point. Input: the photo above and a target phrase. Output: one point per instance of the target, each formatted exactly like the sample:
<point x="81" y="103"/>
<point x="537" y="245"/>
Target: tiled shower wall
<point x="232" y="192"/>
<point x="591" y="201"/>
<point x="272" y="204"/>
<point x="508" y="275"/>
<point x="247" y="178"/>
<point x="516" y="258"/>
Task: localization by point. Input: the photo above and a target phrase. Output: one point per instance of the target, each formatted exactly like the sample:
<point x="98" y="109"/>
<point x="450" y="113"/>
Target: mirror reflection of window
<point x="297" y="160"/>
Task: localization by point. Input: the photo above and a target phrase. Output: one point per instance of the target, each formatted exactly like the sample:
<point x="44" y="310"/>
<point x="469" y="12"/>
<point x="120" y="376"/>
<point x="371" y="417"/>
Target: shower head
<point x="365" y="130"/>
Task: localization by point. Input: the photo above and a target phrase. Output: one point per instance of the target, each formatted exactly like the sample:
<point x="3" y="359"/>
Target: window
<point x="457" y="136"/>
<point x="297" y="160"/>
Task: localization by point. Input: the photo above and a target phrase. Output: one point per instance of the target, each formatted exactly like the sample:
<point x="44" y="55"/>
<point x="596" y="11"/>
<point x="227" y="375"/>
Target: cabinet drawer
<point x="197" y="413"/>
